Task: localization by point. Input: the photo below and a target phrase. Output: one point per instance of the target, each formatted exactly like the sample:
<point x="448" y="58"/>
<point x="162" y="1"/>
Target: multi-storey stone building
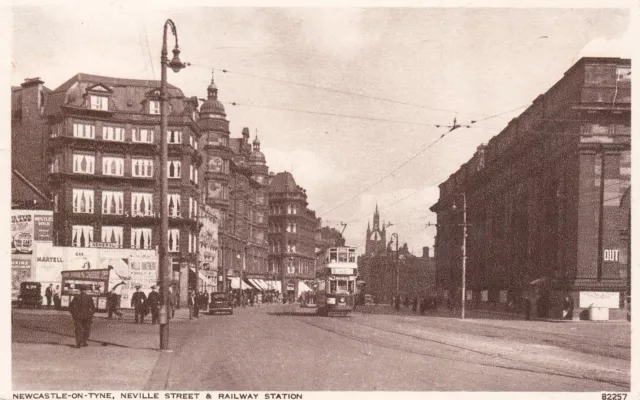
<point x="293" y="234"/>
<point x="544" y="201"/>
<point x="29" y="145"/>
<point x="98" y="150"/>
<point x="236" y="184"/>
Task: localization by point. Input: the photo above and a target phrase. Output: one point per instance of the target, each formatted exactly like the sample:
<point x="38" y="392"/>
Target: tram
<point x="336" y="281"/>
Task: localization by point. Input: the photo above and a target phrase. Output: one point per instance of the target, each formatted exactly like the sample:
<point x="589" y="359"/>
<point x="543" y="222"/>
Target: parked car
<point x="220" y="303"/>
<point x="30" y="295"/>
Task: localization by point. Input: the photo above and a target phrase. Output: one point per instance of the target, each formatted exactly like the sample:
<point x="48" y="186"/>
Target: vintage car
<point x="220" y="303"/>
<point x="30" y="295"/>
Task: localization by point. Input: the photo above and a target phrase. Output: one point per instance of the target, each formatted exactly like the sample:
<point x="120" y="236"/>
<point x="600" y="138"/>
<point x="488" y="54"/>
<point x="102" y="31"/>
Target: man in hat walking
<point x="138" y="301"/>
<point x="82" y="309"/>
<point x="153" y="302"/>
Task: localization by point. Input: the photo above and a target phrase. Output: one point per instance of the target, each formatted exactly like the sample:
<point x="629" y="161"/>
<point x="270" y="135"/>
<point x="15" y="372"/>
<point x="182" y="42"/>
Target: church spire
<point x="376" y="219"/>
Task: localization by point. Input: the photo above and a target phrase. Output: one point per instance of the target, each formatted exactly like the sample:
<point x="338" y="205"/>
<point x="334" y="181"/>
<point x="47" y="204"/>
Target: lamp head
<point x="175" y="64"/>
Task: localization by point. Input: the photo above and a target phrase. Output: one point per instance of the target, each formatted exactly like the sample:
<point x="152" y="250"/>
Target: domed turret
<point x="256" y="156"/>
<point x="212" y="105"/>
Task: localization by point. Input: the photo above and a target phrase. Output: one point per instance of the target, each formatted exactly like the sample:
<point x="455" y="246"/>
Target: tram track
<point x="533" y="367"/>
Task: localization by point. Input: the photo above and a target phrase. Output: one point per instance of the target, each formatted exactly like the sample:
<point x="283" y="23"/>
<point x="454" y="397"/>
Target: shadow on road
<point x="101" y="342"/>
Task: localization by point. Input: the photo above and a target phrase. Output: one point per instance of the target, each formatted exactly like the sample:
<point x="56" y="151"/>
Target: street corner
<point x="64" y="367"/>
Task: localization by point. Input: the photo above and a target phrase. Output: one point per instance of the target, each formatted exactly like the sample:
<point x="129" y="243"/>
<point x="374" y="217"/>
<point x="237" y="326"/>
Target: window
<point x="174" y="240"/>
<point x="112" y="202"/>
<point x="173" y="169"/>
<point x="192" y="243"/>
<point x="113" y="166"/>
<point x="55" y="165"/>
<point x="623" y="74"/>
<point x="173" y="205"/>
<point x="154" y="107"/>
<point x="83" y="163"/>
<point x="142" y="167"/>
<point x="81" y="235"/>
<point x="193" y="174"/>
<point x="142" y="135"/>
<point x="112" y="234"/>
<point x="84" y="131"/>
<point x="195" y="209"/>
<point x="174" y="137"/>
<point x="141" y="204"/>
<point x="83" y="201"/>
<point x="99" y="103"/>
<point x="111" y="133"/>
<point x="55" y="203"/>
<point x="140" y="238"/>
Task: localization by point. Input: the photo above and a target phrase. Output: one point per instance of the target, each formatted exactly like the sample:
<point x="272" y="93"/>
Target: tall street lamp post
<point x="464" y="252"/>
<point x="397" y="304"/>
<point x="164" y="274"/>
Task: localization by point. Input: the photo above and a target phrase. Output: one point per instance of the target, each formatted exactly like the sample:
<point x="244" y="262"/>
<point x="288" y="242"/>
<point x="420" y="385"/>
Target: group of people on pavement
<point x="53" y="294"/>
<point x="197" y="302"/>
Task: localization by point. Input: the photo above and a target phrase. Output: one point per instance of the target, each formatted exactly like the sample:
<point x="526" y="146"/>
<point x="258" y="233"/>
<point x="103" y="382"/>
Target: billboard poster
<point x="49" y="263"/>
<point x="81" y="258"/>
<point x="20" y="272"/>
<point x="21" y="232"/>
<point x="43" y="227"/>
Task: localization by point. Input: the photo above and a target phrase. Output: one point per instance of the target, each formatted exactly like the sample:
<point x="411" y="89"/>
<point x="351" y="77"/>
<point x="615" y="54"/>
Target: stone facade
<point x="544" y="199"/>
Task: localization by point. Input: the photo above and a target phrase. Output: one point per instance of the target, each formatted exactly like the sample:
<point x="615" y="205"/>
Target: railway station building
<point x="547" y="204"/>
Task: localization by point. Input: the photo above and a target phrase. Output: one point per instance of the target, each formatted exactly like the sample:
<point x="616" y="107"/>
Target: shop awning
<point x="260" y="283"/>
<point x="302" y="287"/>
<point x="274" y="285"/>
<point x="205" y="279"/>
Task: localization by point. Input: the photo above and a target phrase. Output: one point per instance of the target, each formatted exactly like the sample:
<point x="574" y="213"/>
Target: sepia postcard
<point x="302" y="200"/>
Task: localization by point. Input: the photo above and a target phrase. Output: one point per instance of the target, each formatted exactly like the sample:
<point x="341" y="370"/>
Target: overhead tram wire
<point x="366" y="96"/>
<point x="236" y="104"/>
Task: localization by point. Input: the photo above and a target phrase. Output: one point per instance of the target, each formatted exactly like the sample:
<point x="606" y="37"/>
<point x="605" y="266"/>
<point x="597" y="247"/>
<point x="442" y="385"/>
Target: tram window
<point x="352" y="257"/>
<point x="332" y="286"/>
<point x="342" y="286"/>
<point x="333" y="256"/>
<point x="342" y="256"/>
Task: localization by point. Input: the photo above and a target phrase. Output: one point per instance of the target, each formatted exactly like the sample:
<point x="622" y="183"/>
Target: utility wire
<point x="233" y="103"/>
<point x="390" y="173"/>
<point x="226" y="71"/>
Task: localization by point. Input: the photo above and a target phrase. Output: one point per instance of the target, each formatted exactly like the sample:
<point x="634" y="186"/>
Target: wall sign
<point x="611" y="255"/>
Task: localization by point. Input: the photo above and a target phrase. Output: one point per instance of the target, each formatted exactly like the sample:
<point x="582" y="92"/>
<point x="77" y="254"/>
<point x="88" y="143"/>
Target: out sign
<point x="611" y="255"/>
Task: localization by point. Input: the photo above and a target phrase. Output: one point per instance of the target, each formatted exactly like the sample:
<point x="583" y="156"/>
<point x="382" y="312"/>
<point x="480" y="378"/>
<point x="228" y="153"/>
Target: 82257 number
<point x="614" y="396"/>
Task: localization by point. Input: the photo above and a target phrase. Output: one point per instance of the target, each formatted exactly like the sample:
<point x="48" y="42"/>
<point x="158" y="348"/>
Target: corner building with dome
<point x="235" y="177"/>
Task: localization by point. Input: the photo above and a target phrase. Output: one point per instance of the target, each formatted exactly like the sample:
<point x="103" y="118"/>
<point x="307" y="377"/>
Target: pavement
<point x="286" y="347"/>
<point x="121" y="354"/>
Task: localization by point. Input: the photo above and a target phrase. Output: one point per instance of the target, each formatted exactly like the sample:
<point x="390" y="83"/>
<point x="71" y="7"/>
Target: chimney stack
<point x="425" y="252"/>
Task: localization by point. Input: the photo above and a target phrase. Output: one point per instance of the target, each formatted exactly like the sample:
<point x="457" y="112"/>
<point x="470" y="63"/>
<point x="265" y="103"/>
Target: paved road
<point x="288" y="348"/>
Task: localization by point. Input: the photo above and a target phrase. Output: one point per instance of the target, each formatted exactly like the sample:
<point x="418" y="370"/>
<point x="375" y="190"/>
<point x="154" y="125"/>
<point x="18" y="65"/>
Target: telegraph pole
<point x="464" y="253"/>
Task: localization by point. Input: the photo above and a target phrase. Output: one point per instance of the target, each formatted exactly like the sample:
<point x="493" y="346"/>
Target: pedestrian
<point x="138" y="302"/>
<point x="567" y="308"/>
<point x="82" y="309"/>
<point x="48" y="293"/>
<point x="192" y="302"/>
<point x="153" y="305"/>
<point x="56" y="298"/>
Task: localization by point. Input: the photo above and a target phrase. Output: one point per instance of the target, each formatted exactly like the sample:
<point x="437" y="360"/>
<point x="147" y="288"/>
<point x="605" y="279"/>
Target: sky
<point x="430" y="64"/>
